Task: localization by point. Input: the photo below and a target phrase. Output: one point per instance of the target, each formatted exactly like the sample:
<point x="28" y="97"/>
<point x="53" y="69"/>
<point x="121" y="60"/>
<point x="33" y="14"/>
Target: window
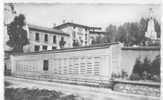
<point x="53" y="48"/>
<point x="44" y="47"/>
<point x="54" y="39"/>
<point x="74" y="35"/>
<point x="62" y="42"/>
<point x="46" y="65"/>
<point x="37" y="48"/>
<point x="86" y="36"/>
<point x="46" y="38"/>
<point x="37" y="37"/>
<point x="74" y="27"/>
<point x="85" y="42"/>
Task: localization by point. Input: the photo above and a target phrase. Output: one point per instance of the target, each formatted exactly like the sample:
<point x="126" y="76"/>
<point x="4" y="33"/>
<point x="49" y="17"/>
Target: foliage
<point x="135" y="76"/>
<point x="111" y="33"/>
<point x="157" y="28"/>
<point x="122" y="75"/>
<point x="35" y="94"/>
<point x="7" y="83"/>
<point x="146" y="69"/>
<point x="130" y="33"/>
<point x="69" y="97"/>
<point x="17" y="34"/>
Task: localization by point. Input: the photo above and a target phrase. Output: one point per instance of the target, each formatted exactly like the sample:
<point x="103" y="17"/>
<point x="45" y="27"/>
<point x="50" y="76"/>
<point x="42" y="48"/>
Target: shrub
<point x="135" y="76"/>
<point x="121" y="75"/>
<point x="156" y="78"/>
<point x="155" y="66"/>
<point x="137" y="66"/>
<point x="124" y="74"/>
<point x="146" y="69"/>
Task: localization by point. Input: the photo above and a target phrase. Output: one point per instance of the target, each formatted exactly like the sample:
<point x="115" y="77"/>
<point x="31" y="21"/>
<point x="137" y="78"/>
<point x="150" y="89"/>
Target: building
<point x="43" y="38"/>
<point x="93" y="35"/>
<point x="79" y="34"/>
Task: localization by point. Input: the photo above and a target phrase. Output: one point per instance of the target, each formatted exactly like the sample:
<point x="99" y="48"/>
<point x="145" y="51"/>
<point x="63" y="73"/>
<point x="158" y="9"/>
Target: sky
<point x="99" y="15"/>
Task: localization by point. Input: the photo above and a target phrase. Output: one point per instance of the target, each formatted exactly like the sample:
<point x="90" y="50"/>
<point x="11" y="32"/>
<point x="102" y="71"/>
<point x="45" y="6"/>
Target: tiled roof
<point x="74" y="24"/>
<point x="46" y="29"/>
<point x="97" y="32"/>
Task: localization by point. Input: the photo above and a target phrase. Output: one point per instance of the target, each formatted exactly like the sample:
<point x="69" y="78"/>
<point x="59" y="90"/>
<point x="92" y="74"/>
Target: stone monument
<point x="151" y="33"/>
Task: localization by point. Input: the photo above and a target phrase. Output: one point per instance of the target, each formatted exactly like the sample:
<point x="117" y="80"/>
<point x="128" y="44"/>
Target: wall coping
<point x="155" y="84"/>
<point x="92" y="47"/>
<point x="142" y="48"/>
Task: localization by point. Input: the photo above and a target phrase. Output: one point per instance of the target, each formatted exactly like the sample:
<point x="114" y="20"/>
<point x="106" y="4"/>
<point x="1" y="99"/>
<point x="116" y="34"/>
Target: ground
<point x="73" y="92"/>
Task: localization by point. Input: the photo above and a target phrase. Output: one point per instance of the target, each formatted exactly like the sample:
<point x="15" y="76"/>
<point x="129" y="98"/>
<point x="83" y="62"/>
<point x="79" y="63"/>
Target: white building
<point x="93" y="35"/>
<point x="43" y="38"/>
<point x="79" y="34"/>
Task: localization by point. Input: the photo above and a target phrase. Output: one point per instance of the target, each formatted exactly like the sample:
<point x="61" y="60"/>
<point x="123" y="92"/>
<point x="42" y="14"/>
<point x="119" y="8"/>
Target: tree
<point x="134" y="36"/>
<point x="157" y="28"/>
<point x="121" y="35"/>
<point x="17" y="34"/>
<point x="111" y="33"/>
<point x="155" y="66"/>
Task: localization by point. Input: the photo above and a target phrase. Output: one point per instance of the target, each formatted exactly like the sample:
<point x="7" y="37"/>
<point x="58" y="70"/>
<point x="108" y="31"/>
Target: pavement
<point x="85" y="92"/>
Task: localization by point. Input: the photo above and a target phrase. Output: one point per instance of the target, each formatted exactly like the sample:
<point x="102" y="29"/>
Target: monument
<point x="151" y="33"/>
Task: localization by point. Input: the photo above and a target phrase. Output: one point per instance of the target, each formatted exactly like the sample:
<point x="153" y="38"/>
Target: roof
<point x="46" y="29"/>
<point x="97" y="32"/>
<point x="74" y="24"/>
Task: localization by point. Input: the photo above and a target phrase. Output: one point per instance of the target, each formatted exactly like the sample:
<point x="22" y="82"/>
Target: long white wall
<point x="84" y="63"/>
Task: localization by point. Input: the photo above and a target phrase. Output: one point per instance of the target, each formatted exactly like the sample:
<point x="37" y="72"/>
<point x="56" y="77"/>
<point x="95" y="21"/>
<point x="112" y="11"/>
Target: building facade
<point x="43" y="38"/>
<point x="93" y="35"/>
<point x="79" y="34"/>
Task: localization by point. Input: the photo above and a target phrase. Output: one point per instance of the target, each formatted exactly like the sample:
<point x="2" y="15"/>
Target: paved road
<point x="88" y="93"/>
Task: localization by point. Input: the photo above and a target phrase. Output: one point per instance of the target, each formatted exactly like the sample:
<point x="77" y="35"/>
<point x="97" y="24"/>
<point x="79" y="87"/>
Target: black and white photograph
<point x="82" y="51"/>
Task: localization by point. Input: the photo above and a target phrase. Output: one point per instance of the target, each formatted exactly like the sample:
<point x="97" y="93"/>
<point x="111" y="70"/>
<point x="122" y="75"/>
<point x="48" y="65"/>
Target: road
<point x="88" y="93"/>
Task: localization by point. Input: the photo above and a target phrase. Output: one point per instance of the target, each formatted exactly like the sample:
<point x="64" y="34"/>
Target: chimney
<point x="64" y="21"/>
<point x="54" y="25"/>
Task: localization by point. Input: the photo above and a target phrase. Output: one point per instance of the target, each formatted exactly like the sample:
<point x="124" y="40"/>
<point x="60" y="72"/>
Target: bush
<point x="135" y="76"/>
<point x="155" y="66"/>
<point x="156" y="78"/>
<point x="121" y="75"/>
<point x="137" y="67"/>
<point x="146" y="69"/>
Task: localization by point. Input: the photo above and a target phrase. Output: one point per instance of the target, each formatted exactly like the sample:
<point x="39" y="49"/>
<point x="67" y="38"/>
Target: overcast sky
<point x="100" y="15"/>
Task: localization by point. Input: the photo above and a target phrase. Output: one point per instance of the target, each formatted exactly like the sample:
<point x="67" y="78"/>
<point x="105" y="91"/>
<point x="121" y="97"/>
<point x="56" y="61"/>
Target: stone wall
<point x="140" y="88"/>
<point x="82" y="64"/>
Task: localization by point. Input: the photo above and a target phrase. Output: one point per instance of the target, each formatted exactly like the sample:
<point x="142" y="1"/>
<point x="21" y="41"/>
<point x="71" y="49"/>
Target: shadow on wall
<point x="145" y="70"/>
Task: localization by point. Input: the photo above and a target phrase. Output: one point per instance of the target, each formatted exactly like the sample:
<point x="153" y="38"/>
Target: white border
<point x="89" y="1"/>
<point x="69" y="1"/>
